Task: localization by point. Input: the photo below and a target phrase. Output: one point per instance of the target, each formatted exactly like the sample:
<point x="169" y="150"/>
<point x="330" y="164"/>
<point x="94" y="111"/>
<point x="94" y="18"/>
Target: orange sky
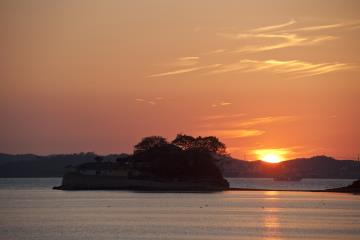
<point x="99" y="75"/>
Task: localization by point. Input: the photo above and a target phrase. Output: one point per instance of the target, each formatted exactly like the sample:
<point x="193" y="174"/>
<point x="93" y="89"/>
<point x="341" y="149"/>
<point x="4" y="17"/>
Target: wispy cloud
<point x="266" y="38"/>
<point x="223" y="116"/>
<point x="287" y="40"/>
<point x="344" y="25"/>
<point x="238" y="122"/>
<point x="216" y="51"/>
<point x="274" y="27"/>
<point x="221" y="104"/>
<point x="239" y="133"/>
<point x="236" y="126"/>
<point x="151" y="101"/>
<point x="277" y="66"/>
<point x="184" y="70"/>
<point x="266" y="120"/>
<point x="292" y="37"/>
<point x="225" y="103"/>
<point x="225" y="126"/>
<point x="186" y="61"/>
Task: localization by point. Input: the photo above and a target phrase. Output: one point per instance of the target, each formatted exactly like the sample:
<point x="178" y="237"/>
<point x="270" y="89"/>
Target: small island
<point x="184" y="164"/>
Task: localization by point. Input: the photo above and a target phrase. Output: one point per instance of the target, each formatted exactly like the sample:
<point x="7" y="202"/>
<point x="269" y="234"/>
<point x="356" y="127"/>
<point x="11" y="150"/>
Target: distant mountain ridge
<point x="314" y="167"/>
<point x="30" y="165"/>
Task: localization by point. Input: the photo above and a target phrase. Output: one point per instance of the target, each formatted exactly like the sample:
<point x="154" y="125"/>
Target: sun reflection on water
<point x="271" y="221"/>
<point x="271" y="218"/>
<point x="271" y="195"/>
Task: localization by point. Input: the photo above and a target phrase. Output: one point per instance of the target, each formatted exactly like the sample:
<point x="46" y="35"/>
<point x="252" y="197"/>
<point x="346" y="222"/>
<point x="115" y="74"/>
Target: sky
<point x="263" y="76"/>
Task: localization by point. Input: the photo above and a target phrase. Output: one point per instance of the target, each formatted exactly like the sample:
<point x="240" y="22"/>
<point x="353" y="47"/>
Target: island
<point x="185" y="164"/>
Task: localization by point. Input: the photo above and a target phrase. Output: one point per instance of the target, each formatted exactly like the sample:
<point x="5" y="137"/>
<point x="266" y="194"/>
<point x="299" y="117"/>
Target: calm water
<point x="29" y="209"/>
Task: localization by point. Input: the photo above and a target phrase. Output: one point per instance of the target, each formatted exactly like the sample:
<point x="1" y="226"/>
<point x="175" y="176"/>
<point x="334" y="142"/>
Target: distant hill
<point x="314" y="167"/>
<point x="29" y="165"/>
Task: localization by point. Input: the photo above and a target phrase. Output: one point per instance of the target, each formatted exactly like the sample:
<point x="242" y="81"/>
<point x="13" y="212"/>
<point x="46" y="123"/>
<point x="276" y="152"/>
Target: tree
<point x="183" y="141"/>
<point x="148" y="143"/>
<point x="210" y="144"/>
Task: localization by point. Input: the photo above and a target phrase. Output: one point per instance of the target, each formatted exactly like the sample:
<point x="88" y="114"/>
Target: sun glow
<point x="271" y="155"/>
<point x="271" y="158"/>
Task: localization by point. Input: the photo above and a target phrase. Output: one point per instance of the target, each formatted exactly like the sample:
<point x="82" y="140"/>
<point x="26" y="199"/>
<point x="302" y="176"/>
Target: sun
<point x="271" y="158"/>
<point x="271" y="155"/>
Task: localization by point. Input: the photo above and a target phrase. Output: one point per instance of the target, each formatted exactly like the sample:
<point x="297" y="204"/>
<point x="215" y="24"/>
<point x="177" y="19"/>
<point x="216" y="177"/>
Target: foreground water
<point x="29" y="209"/>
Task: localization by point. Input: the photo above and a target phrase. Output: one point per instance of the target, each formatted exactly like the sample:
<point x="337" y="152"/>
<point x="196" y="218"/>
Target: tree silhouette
<point x="148" y="143"/>
<point x="183" y="141"/>
<point x="210" y="144"/>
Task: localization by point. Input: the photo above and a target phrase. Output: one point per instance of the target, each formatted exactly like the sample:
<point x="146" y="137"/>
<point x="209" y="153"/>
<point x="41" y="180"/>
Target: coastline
<point x="73" y="181"/>
<point x="332" y="190"/>
<point x="152" y="190"/>
<point x="189" y="188"/>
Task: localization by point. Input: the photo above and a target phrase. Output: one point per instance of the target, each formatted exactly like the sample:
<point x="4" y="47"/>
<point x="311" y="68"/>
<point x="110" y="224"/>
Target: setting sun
<point x="271" y="158"/>
<point x="271" y="155"/>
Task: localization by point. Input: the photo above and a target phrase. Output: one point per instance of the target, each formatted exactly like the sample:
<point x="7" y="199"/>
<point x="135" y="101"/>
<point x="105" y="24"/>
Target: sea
<point x="31" y="210"/>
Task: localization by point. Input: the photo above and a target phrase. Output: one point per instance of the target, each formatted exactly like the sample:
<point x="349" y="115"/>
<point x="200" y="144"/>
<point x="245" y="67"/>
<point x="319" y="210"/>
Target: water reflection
<point x="271" y="195"/>
<point x="271" y="216"/>
<point x="271" y="221"/>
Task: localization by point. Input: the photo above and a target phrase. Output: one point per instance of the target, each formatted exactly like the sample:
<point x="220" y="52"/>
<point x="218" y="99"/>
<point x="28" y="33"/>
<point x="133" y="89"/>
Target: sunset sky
<point x="263" y="76"/>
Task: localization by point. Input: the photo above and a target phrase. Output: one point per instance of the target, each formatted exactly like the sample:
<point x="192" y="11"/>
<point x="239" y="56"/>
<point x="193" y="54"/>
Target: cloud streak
<point x="289" y="37"/>
<point x="184" y="70"/>
<point x="296" y="67"/>
<point x="262" y="39"/>
<point x="186" y="61"/>
<point x="221" y="104"/>
<point x="344" y="25"/>
<point x="266" y="120"/>
<point x="288" y="40"/>
<point x="223" y="116"/>
<point x="239" y="133"/>
<point x="274" y="27"/>
<point x="151" y="102"/>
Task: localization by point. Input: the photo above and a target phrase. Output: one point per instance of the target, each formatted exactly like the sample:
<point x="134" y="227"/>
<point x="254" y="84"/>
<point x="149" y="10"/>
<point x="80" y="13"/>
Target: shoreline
<point x="148" y="190"/>
<point x="291" y="190"/>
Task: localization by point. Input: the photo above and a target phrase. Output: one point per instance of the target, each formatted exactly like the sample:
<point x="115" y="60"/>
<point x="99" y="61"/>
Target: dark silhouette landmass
<point x="185" y="164"/>
<point x="314" y="167"/>
<point x="33" y="166"/>
<point x="352" y="188"/>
